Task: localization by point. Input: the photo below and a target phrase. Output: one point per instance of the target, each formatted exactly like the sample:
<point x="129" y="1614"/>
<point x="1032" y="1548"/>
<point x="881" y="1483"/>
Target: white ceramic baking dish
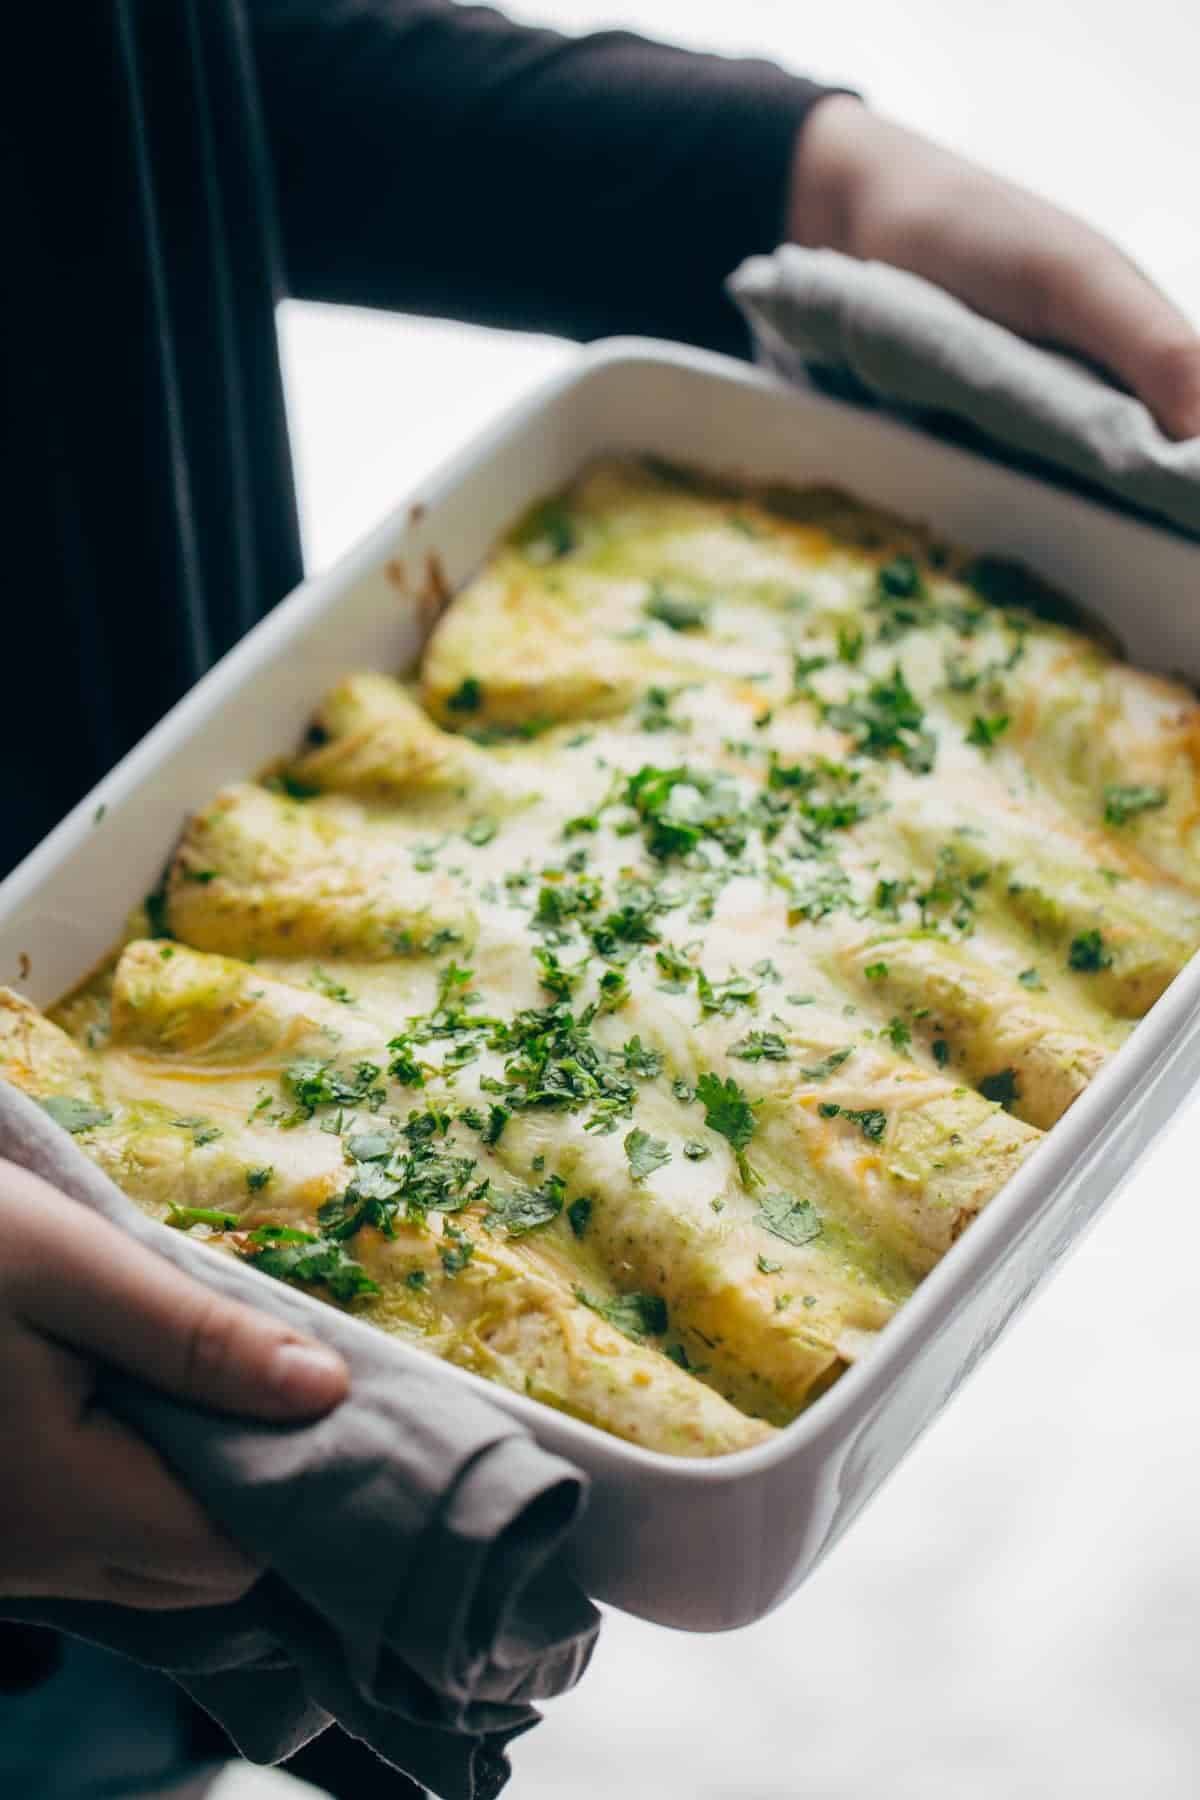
<point x="703" y="1546"/>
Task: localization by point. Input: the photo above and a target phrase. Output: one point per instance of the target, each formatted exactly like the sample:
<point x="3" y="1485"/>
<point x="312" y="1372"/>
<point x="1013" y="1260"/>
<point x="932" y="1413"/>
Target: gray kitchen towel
<point x="416" y="1588"/>
<point x="912" y="346"/>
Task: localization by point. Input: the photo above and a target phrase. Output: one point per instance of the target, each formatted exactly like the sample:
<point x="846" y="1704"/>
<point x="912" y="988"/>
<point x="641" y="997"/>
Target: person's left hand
<point x="873" y="189"/>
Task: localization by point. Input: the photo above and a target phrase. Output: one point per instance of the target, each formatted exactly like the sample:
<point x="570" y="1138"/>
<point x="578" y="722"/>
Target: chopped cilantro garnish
<point x="821" y="1070"/>
<point x="313" y="1083"/>
<point x="554" y="978"/>
<point x="523" y="1209"/>
<point x="655" y="713"/>
<point x="331" y="988"/>
<point x="182" y="1218"/>
<point x="457" y="1252"/>
<point x="467" y="696"/>
<point x="1124" y="803"/>
<point x="850" y="642"/>
<point x="640" y="1059"/>
<point x="679" y="808"/>
<point x="1030" y="978"/>
<point x="826" y="891"/>
<point x="678" y="972"/>
<point x="898" y="1033"/>
<point x="636" y="1316"/>
<point x="493" y="1128"/>
<point x="695" y="1151"/>
<point x="1002" y="1087"/>
<point x="554" y="1061"/>
<point x="403" y="1066"/>
<point x="1088" y="953"/>
<point x="803" y="668"/>
<point x="985" y="730"/>
<point x="886" y="719"/>
<point x="899" y="579"/>
<point x="796" y="1221"/>
<point x="760" y="1046"/>
<point x="614" y="991"/>
<point x="294" y="788"/>
<point x="579" y="1215"/>
<point x="481" y="831"/>
<point x="561" y="902"/>
<point x="941" y="1052"/>
<point x="72" y="1114"/>
<point x="725" y="997"/>
<point x="645" y="1153"/>
<point x="870" y="1121"/>
<point x="682" y="612"/>
<point x="257" y="1179"/>
<point x="766" y="1266"/>
<point x="549" y="532"/>
<point x="951" y="893"/>
<point x="727" y="1110"/>
<point x="299" y="1256"/>
<point x="876" y="971"/>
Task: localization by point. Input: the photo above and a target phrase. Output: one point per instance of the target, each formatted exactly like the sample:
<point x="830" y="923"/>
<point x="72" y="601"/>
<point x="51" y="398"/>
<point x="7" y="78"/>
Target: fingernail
<point x="307" y="1375"/>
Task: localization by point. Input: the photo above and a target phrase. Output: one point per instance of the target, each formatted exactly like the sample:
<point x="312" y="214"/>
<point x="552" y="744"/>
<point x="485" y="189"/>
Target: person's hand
<point x="872" y="189"/>
<point x="88" y="1511"/>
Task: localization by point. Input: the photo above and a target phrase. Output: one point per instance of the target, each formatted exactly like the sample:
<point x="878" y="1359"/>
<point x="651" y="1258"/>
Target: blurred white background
<point x="1019" y="1613"/>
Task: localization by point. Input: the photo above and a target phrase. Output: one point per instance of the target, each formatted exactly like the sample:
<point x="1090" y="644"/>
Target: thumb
<point x="80" y="1279"/>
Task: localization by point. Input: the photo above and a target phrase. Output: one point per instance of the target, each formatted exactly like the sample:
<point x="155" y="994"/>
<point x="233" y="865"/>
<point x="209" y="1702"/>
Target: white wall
<point x="1019" y="1613"/>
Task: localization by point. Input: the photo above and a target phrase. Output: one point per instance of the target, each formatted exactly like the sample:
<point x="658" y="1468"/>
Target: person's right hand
<point x="88" y="1511"/>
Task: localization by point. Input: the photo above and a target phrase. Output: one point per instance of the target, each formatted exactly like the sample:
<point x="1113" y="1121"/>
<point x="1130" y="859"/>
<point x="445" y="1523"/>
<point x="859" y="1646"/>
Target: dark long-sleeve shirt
<point x="170" y="168"/>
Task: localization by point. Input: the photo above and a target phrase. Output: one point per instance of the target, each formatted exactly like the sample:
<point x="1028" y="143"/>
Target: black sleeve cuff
<point x="443" y="160"/>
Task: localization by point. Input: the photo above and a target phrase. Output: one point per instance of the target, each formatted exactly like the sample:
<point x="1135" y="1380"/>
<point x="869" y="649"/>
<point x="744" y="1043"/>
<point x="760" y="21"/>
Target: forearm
<point x="442" y="159"/>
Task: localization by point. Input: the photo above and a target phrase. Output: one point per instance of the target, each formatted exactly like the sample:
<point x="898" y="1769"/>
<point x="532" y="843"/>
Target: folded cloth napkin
<point x="416" y="1589"/>
<point x="911" y="345"/>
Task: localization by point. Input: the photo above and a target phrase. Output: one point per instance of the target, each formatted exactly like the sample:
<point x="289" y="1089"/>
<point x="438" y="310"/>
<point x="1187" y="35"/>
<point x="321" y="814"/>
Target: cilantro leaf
<point x="985" y="731"/>
<point x="886" y="719"/>
<point x="726" y="1109"/>
<point x="1088" y="953"/>
<point x="182" y="1218"/>
<point x="870" y="1121"/>
<point x="636" y="1316"/>
<point x="645" y="1153"/>
<point x="326" y="984"/>
<point x="467" y="696"/>
<point x="314" y="1083"/>
<point x="299" y="1256"/>
<point x="523" y="1209"/>
<point x="760" y="1046"/>
<point x="72" y="1114"/>
<point x="821" y="1070"/>
<point x="681" y="612"/>
<point x="1124" y="803"/>
<point x="785" y="1216"/>
<point x="579" y="1215"/>
<point x="899" y="579"/>
<point x="640" y="1059"/>
<point x="1002" y="1087"/>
